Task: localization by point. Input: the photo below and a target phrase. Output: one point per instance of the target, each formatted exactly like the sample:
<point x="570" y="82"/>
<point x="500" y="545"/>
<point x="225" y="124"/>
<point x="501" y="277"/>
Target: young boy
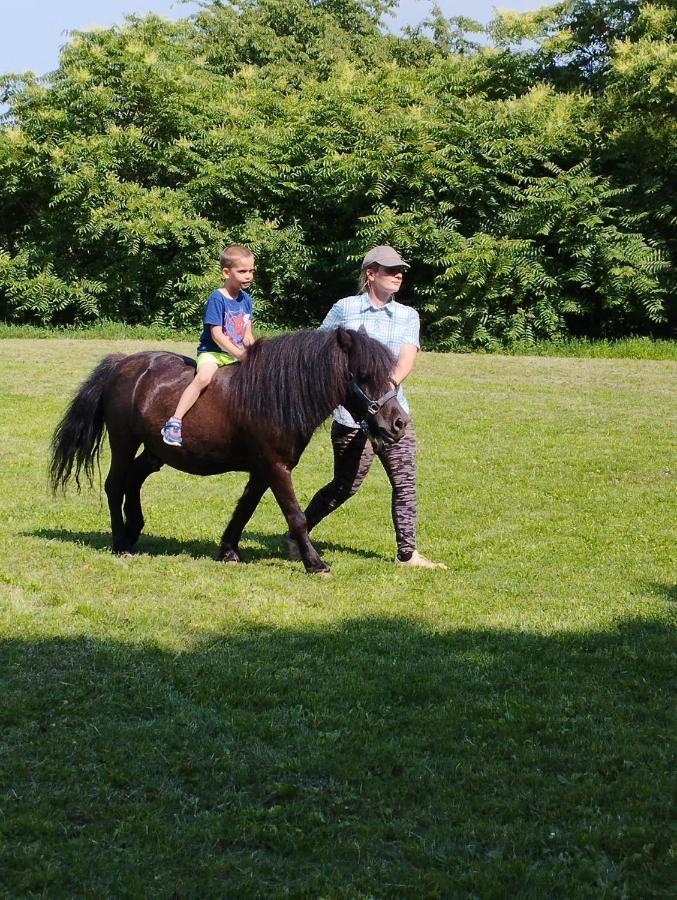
<point x="226" y="335"/>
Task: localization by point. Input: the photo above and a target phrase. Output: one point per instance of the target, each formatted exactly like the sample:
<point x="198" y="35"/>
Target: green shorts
<point x="217" y="357"/>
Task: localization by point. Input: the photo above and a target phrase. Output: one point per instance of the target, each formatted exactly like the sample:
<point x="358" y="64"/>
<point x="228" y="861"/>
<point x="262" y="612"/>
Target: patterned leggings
<point x="353" y="456"/>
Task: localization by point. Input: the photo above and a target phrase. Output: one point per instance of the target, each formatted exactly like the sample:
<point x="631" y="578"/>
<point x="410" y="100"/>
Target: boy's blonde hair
<point x="234" y="253"/>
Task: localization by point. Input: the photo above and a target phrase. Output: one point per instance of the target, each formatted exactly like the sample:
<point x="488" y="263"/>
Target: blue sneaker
<point x="171" y="432"/>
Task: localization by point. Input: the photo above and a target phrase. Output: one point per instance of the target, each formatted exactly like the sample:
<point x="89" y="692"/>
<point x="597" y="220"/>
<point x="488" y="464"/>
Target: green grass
<point x="171" y="726"/>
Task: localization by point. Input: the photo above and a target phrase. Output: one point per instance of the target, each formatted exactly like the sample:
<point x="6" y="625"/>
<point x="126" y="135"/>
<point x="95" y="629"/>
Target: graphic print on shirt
<point x="235" y="325"/>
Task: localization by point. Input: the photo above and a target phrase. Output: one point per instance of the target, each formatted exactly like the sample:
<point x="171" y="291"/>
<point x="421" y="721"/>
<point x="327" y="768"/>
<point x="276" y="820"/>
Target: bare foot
<point x="418" y="559"/>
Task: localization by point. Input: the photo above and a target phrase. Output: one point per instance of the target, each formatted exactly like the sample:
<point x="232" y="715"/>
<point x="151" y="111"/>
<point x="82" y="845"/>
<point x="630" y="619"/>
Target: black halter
<point x="373" y="406"/>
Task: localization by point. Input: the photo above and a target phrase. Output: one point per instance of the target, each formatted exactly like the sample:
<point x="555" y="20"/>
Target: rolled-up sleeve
<point x="334" y="317"/>
<point x="411" y="329"/>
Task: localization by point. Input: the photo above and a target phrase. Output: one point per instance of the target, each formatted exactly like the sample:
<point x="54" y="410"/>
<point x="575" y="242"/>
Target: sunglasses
<point x="393" y="270"/>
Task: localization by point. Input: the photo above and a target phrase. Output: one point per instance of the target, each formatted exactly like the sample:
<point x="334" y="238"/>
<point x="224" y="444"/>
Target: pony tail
<point x="76" y="441"/>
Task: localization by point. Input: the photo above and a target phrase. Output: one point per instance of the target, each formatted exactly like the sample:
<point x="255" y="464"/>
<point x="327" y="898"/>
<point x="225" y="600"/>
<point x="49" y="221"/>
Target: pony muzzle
<point x="383" y="429"/>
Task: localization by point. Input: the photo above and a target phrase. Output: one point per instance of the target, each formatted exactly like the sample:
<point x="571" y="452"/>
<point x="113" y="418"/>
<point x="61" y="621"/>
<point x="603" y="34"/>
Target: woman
<point x="397" y="326"/>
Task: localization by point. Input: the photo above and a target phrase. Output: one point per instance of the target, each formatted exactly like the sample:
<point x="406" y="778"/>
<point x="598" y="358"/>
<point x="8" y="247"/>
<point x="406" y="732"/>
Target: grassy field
<point x="174" y="727"/>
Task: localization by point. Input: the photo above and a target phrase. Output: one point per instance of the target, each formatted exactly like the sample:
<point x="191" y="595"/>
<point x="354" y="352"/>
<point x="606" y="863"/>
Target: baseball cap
<point x="383" y="255"/>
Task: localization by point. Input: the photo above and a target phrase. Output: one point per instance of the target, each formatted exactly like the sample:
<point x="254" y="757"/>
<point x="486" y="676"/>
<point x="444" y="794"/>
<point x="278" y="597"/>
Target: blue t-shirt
<point x="232" y="315"/>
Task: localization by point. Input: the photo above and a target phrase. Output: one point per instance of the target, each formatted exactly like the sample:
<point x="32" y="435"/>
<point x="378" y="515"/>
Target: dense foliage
<point x="527" y="172"/>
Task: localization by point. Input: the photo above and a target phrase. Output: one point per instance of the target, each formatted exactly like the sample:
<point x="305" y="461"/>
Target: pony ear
<point x="344" y="338"/>
<point x="362" y="329"/>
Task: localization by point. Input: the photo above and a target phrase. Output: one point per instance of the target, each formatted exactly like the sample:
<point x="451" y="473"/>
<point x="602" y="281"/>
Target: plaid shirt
<point x="393" y="325"/>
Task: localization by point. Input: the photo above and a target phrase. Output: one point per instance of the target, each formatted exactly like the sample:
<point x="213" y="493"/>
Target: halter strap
<point x="373" y="406"/>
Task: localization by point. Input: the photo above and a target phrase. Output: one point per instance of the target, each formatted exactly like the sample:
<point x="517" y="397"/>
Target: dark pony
<point x="257" y="416"/>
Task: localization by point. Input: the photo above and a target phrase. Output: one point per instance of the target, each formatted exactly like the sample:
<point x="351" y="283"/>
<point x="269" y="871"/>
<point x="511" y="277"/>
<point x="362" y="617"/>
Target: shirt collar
<point x="367" y="305"/>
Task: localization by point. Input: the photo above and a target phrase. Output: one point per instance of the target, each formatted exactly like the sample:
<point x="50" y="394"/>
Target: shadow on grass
<point x="150" y="544"/>
<point x="661" y="589"/>
<point x="269" y="545"/>
<point x="372" y="758"/>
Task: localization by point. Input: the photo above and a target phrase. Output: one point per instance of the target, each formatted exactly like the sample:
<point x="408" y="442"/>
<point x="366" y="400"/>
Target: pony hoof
<point x="126" y="552"/>
<point x="230" y="556"/>
<point x="325" y="573"/>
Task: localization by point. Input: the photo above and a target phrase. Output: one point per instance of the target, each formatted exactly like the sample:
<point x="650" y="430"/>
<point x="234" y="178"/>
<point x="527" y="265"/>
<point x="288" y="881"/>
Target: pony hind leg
<point x="144" y="465"/>
<point x="122" y="456"/>
<point x="250" y="499"/>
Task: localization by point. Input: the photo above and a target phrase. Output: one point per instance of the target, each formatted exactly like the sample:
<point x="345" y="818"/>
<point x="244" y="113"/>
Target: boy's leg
<point x="171" y="431"/>
<point x="353" y="455"/>
<point x="203" y="376"/>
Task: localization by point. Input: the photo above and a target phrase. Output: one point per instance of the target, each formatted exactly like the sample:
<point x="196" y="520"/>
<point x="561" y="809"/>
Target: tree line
<point x="526" y="167"/>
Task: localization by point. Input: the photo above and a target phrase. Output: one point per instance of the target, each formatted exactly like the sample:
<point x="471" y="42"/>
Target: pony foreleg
<point x="250" y="499"/>
<point x="283" y="490"/>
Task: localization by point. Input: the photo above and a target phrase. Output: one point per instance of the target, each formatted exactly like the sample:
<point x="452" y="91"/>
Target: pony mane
<point x="294" y="381"/>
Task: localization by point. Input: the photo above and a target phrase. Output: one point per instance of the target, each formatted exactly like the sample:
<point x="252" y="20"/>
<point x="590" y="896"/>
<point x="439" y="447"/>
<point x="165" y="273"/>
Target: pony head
<point x="371" y="398"/>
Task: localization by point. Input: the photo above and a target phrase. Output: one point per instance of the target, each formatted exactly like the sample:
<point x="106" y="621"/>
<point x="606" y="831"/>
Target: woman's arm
<point x="405" y="362"/>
